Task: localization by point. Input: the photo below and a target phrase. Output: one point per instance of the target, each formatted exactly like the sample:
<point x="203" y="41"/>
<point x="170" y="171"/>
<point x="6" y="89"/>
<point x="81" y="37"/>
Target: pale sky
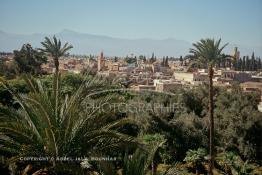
<point x="235" y="21"/>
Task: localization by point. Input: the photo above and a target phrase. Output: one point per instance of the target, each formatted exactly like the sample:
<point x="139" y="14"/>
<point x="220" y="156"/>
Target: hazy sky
<point x="236" y="21"/>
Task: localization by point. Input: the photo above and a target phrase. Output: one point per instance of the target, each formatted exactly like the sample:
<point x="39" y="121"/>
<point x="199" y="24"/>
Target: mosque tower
<point x="100" y="62"/>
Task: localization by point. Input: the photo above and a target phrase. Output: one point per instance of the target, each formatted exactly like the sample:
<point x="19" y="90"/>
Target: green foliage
<point x="6" y="98"/>
<point x="231" y="163"/>
<point x="239" y="123"/>
<point x="195" y="156"/>
<point x="176" y="169"/>
<point x="51" y="124"/>
<point x="148" y="138"/>
<point x="29" y="60"/>
<point x="130" y="60"/>
<point x="53" y="116"/>
<point x="139" y="162"/>
<point x="135" y="164"/>
<point x="142" y="58"/>
<point x="247" y="64"/>
<point x="183" y="132"/>
<point x="195" y="100"/>
<point x="207" y="52"/>
<point x="8" y="70"/>
<point x="238" y="120"/>
<point x="69" y="84"/>
<point x="164" y="154"/>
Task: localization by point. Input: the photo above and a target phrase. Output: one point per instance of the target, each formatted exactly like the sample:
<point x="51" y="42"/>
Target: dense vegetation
<point x="245" y="63"/>
<point x="248" y="64"/>
<point x="71" y="115"/>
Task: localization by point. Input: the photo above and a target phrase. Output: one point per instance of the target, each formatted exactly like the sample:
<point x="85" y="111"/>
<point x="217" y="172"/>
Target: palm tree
<point x="54" y="49"/>
<point x="51" y="124"/>
<point x="208" y="52"/>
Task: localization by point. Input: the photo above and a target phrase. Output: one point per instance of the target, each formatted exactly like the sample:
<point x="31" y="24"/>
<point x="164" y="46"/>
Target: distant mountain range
<point x="93" y="44"/>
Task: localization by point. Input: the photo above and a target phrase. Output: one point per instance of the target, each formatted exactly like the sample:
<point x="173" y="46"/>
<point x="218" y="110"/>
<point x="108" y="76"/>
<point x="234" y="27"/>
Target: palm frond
<point x="52" y="124"/>
<point x="207" y="51"/>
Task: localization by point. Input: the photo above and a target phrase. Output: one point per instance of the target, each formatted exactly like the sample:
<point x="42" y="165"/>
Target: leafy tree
<point x="247" y="63"/>
<point x="239" y="65"/>
<point x="115" y="59"/>
<point x="259" y="64"/>
<point x="130" y="60"/>
<point x="163" y="61"/>
<point x="195" y="100"/>
<point x="252" y="62"/>
<point x="239" y="123"/>
<point x="209" y="52"/>
<point x="141" y="57"/>
<point x="29" y="60"/>
<point x="243" y="67"/>
<point x="54" y="49"/>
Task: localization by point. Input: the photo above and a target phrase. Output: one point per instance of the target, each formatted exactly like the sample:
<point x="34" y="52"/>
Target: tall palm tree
<point x="54" y="49"/>
<point x="208" y="52"/>
<point x="55" y="125"/>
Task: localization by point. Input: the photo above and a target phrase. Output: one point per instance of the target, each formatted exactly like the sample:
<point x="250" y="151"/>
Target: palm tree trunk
<point x="211" y="121"/>
<point x="56" y="62"/>
<point x="152" y="168"/>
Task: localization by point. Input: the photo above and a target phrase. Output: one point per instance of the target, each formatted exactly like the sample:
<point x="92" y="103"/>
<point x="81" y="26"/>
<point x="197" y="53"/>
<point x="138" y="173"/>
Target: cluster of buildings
<point x="146" y="75"/>
<point x="66" y="64"/>
<point x="156" y="77"/>
<point x="143" y="75"/>
<point x="150" y="75"/>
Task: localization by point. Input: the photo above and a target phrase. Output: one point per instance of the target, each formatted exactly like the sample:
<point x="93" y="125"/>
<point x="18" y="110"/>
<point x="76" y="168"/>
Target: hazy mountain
<point x="93" y="44"/>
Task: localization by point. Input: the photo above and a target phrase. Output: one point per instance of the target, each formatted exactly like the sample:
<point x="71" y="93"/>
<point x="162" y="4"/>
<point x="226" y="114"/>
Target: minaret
<point x="100" y="62"/>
